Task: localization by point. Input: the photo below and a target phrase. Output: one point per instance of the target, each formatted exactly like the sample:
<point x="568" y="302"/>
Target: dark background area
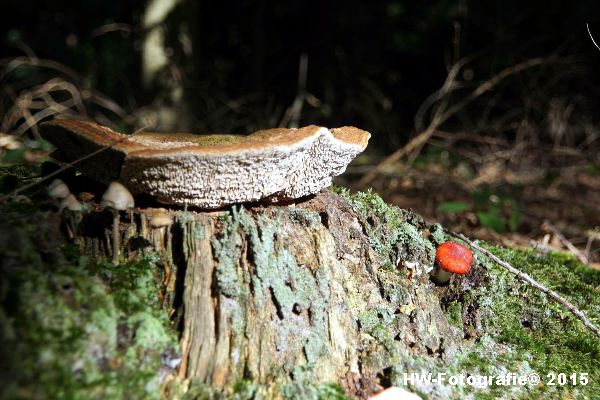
<point x="525" y="151"/>
<point x="370" y="64"/>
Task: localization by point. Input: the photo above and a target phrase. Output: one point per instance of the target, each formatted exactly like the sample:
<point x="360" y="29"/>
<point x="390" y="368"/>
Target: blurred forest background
<point x="483" y="113"/>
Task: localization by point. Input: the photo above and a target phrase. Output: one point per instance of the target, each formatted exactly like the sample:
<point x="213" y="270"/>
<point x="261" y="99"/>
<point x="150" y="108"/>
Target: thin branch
<point x="443" y="113"/>
<point x="15" y="62"/>
<point x="112" y="27"/>
<point x="67" y="166"/>
<point x="591" y="37"/>
<point x="526" y="278"/>
<point x="580" y="256"/>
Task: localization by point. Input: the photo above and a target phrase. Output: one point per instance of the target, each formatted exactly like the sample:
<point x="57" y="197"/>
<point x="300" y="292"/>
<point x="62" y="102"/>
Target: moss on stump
<point x="326" y="298"/>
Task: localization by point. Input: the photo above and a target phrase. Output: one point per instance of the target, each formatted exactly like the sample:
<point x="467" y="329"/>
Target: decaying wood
<point x="297" y="293"/>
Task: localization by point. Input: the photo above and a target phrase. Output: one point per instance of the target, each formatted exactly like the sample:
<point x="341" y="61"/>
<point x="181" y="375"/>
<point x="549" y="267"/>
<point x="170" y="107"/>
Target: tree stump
<point x="322" y="291"/>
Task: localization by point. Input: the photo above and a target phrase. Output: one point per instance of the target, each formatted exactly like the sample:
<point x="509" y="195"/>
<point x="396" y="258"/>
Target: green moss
<point x="17" y="175"/>
<point x="186" y="216"/>
<point x="227" y="249"/>
<point x="454" y="314"/>
<point x="243" y="390"/>
<point x="307" y="390"/>
<point x="369" y="204"/>
<point x="248" y="390"/>
<point x="331" y="392"/>
<point x="394" y="233"/>
<point x="306" y="218"/>
<point x="73" y="329"/>
<point x="438" y="235"/>
<point x="530" y="332"/>
<point x="196" y="390"/>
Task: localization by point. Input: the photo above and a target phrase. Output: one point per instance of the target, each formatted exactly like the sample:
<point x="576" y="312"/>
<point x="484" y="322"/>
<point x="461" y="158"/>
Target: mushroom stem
<point x="117" y="198"/>
<point x="72" y="220"/>
<point x="71" y="211"/>
<point x="439" y="275"/>
<point x="116" y="242"/>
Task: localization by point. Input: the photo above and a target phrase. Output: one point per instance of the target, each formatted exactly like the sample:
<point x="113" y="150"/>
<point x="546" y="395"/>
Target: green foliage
<point x="24" y="151"/>
<point x="453" y="207"/>
<point x="493" y="208"/>
<point x="491" y="219"/>
<point x="434" y="154"/>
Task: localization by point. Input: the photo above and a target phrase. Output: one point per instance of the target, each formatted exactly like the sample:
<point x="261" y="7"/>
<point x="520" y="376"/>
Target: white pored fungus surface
<point x="211" y="171"/>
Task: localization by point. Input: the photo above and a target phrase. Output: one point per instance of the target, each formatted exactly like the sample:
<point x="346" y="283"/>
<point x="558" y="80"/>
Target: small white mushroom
<point x="58" y="190"/>
<point x="117" y="198"/>
<point x="160" y="219"/>
<point x="70" y="203"/>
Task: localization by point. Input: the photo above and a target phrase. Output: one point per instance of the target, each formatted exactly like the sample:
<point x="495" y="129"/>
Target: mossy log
<point x="328" y="298"/>
<point x="295" y="294"/>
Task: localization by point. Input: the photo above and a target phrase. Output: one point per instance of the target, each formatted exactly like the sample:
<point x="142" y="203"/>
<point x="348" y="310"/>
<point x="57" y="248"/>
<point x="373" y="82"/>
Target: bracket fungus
<point x="210" y="171"/>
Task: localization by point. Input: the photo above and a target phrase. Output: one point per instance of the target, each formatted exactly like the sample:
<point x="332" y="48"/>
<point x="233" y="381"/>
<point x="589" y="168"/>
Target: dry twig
<point x="34" y="104"/>
<point x="591" y="37"/>
<point x="576" y="252"/>
<point x="526" y="278"/>
<point x="66" y="166"/>
<point x="444" y="112"/>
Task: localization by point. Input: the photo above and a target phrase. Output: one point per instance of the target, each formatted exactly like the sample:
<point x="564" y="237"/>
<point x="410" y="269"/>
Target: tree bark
<point x="314" y="292"/>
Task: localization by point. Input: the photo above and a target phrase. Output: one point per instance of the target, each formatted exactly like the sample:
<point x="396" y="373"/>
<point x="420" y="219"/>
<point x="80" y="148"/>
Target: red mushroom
<point x="451" y="258"/>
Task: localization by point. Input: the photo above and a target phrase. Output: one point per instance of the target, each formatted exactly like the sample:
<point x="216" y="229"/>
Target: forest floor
<point x="525" y="196"/>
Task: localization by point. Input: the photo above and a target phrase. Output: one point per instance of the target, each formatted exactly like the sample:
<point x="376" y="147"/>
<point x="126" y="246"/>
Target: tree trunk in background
<point x="282" y="295"/>
<point x="166" y="40"/>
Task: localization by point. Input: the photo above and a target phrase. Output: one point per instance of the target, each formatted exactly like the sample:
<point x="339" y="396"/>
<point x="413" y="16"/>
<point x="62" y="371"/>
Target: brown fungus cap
<point x="211" y="171"/>
<point x="454" y="257"/>
<point x="159" y="219"/>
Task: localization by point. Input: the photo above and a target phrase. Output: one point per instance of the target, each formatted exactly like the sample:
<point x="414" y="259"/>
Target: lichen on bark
<point x="325" y="298"/>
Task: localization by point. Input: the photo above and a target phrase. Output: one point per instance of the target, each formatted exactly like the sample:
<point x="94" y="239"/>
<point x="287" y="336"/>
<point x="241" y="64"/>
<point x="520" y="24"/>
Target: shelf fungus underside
<point x="210" y="171"/>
